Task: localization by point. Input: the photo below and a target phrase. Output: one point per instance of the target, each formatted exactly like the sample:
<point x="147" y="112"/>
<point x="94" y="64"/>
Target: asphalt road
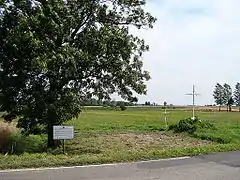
<point x="220" y="166"/>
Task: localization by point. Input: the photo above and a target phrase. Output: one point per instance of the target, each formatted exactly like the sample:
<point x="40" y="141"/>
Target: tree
<point x="122" y="107"/>
<point x="55" y="54"/>
<point x="227" y="94"/>
<point x="218" y="95"/>
<point x="147" y="103"/>
<point x="230" y="103"/>
<point x="237" y="95"/>
<point x="165" y="103"/>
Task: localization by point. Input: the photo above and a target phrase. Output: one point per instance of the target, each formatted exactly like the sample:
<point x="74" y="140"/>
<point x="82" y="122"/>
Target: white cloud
<point x="193" y="42"/>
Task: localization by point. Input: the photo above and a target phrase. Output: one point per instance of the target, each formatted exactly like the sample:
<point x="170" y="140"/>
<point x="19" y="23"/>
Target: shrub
<point x="190" y="125"/>
<point x="7" y="131"/>
<point x="12" y="141"/>
<point x="28" y="144"/>
<point x="123" y="108"/>
<point x="184" y="125"/>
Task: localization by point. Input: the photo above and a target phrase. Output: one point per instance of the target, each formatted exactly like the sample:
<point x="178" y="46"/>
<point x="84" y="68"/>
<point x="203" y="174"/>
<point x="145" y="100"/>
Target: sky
<point x="193" y="42"/>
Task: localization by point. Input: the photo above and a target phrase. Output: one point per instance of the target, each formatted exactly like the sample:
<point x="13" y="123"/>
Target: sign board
<point x="63" y="132"/>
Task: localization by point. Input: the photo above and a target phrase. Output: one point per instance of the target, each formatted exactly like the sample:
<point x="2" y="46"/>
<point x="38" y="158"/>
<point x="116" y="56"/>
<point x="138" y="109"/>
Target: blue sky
<point x="193" y="42"/>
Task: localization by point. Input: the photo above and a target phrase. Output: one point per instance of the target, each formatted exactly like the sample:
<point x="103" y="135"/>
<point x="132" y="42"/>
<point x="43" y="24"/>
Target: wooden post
<point x="63" y="146"/>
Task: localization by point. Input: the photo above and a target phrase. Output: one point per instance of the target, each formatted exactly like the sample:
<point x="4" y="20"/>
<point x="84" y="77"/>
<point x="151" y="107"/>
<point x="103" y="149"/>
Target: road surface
<point x="220" y="166"/>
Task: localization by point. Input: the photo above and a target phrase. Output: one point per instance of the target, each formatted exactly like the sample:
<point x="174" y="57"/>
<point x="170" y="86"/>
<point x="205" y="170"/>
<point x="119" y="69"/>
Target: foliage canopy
<point x="54" y="54"/>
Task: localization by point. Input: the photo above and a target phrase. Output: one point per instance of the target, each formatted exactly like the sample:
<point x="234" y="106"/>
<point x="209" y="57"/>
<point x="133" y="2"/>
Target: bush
<point x="123" y="108"/>
<point x="190" y="125"/>
<point x="28" y="144"/>
<point x="13" y="142"/>
<point x="184" y="125"/>
<point x="7" y="131"/>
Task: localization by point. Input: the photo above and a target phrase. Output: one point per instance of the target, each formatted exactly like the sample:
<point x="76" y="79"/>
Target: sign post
<point x="63" y="146"/>
<point x="63" y="133"/>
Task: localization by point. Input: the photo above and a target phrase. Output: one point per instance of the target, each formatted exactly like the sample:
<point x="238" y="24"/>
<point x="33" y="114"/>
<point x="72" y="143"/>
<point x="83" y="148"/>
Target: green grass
<point x="106" y="135"/>
<point x="133" y="119"/>
<point x="151" y="119"/>
<point x="50" y="160"/>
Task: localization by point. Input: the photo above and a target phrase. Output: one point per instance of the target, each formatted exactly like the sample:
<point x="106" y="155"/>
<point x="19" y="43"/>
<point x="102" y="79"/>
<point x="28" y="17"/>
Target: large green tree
<point x="237" y="95"/>
<point x="54" y="54"/>
<point x="218" y="95"/>
<point x="227" y="94"/>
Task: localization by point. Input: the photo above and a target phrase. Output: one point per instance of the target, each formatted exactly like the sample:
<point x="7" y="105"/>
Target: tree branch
<point x="82" y="24"/>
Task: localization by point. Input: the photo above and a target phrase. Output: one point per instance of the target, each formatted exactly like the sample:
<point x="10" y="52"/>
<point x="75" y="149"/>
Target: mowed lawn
<point x="104" y="135"/>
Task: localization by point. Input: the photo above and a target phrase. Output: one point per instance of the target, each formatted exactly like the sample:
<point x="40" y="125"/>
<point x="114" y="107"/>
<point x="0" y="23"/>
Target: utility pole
<point x="193" y="94"/>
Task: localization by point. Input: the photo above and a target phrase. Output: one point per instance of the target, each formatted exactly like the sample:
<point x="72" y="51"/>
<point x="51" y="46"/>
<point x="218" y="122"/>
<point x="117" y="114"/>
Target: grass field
<point x="106" y="135"/>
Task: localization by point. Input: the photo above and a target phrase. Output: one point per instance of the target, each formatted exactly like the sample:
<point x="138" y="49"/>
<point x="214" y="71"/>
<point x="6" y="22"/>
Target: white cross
<point x="165" y="116"/>
<point x="193" y="94"/>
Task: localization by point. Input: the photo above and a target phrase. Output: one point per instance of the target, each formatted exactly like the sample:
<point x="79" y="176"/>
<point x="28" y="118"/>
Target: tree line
<point x="225" y="96"/>
<point x="110" y="103"/>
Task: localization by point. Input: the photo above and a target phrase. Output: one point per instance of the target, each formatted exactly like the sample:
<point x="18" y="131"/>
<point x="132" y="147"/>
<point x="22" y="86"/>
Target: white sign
<point x="63" y="132"/>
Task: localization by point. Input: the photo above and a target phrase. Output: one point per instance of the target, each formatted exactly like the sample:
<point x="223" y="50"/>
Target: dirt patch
<point x="133" y="142"/>
<point x="161" y="140"/>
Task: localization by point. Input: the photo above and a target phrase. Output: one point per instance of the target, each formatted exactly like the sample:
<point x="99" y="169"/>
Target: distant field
<point x="105" y="135"/>
<point x="152" y="119"/>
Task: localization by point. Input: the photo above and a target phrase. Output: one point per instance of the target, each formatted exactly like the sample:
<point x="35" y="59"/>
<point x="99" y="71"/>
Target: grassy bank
<point x="105" y="136"/>
<point x="50" y="160"/>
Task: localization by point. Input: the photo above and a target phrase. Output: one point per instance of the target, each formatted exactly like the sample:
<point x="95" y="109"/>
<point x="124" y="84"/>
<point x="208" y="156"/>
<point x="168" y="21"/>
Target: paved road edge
<point x="86" y="166"/>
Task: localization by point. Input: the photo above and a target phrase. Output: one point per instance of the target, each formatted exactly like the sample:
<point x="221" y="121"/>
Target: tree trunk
<point x="50" y="136"/>
<point x="230" y="108"/>
<point x="51" y="142"/>
<point x="227" y="108"/>
<point x="239" y="109"/>
<point x="219" y="108"/>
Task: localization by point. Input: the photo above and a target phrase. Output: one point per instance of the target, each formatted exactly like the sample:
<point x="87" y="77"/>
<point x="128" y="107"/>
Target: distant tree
<point x="227" y="94"/>
<point x="237" y="95"/>
<point x="147" y="103"/>
<point x="107" y="103"/>
<point x="90" y="102"/>
<point x="125" y="103"/>
<point x="165" y="103"/>
<point x="94" y="102"/>
<point x="218" y="95"/>
<point x="230" y="103"/>
<point x="122" y="107"/>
